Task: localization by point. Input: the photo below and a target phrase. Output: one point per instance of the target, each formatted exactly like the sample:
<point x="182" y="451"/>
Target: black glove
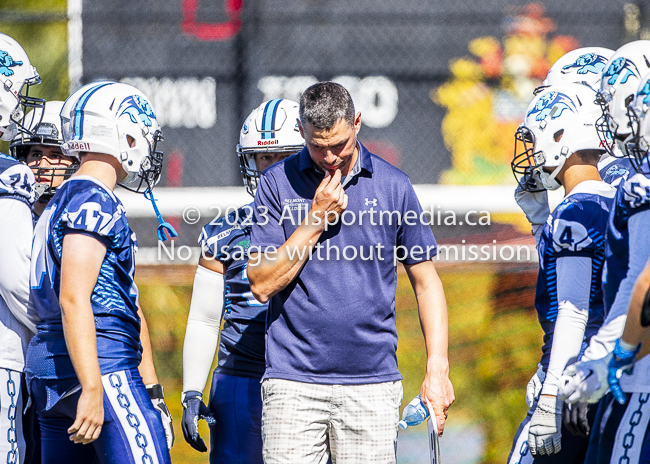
<point x="575" y="418"/>
<point x="158" y="399"/>
<point x="193" y="410"/>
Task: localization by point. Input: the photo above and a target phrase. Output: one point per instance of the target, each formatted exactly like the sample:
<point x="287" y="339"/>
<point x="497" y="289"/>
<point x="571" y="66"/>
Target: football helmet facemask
<point x="115" y="119"/>
<point x="16" y="76"/>
<point x="618" y="85"/>
<point x="638" y="144"/>
<point x="44" y="126"/>
<point x="272" y="127"/>
<point x="559" y="121"/>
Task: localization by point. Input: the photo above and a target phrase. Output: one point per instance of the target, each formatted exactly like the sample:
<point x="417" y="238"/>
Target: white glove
<point x="158" y="399"/>
<point x="545" y="430"/>
<point x="533" y="204"/>
<point x="535" y="386"/>
<point x="585" y="381"/>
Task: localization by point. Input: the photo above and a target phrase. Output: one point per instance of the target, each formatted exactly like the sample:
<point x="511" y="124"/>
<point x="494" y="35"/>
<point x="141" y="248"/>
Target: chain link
<point x="12" y="436"/>
<point x="628" y="438"/>
<point x="132" y="419"/>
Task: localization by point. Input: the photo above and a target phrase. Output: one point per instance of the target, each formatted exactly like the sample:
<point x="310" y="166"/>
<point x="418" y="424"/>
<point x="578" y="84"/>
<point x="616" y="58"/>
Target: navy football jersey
<point x="241" y="348"/>
<point x="631" y="197"/>
<point x="84" y="205"/>
<point x="16" y="180"/>
<point x="576" y="228"/>
<point x="617" y="247"/>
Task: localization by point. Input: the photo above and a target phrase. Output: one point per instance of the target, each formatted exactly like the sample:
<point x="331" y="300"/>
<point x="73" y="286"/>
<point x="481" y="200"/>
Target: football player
<point x="627" y="252"/>
<point x="221" y="290"/>
<point x="90" y="362"/>
<point x="580" y="66"/>
<point x="561" y="149"/>
<point x="17" y="319"/>
<point x="41" y="151"/>
<point x="586" y="66"/>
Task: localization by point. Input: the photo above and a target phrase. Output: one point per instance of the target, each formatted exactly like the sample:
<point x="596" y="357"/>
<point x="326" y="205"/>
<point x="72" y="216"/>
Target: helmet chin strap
<point x="549" y="181"/>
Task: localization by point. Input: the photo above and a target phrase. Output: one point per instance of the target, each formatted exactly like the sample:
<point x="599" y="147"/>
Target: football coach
<point x="330" y="224"/>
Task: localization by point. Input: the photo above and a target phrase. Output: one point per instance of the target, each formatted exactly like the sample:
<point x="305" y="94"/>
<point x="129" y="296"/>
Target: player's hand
<point x="157" y="396"/>
<point x="437" y="388"/>
<point x="545" y="431"/>
<point x="621" y="362"/>
<point x="90" y="416"/>
<point x="534" y="386"/>
<point x="574" y="418"/>
<point x="193" y="410"/>
<point x="533" y="204"/>
<point x="330" y="199"/>
<point x="584" y="381"/>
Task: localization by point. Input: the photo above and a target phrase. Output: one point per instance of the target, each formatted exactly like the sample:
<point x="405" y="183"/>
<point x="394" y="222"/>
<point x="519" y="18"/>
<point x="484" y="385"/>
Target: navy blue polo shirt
<point x="335" y="322"/>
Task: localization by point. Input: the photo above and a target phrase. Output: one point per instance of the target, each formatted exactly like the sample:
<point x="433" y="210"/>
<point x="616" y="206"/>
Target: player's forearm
<point x="574" y="275"/>
<point x="81" y="340"/>
<point x="146" y="368"/>
<point x="634" y="332"/>
<point x="270" y="273"/>
<point x="567" y="340"/>
<point x="203" y="324"/>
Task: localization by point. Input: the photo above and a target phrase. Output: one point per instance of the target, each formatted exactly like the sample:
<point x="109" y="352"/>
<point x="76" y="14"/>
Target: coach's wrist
<point x="438" y="365"/>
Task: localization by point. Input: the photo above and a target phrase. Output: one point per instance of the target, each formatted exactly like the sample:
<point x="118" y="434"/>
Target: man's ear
<point x="357" y="122"/>
<point x="302" y="132"/>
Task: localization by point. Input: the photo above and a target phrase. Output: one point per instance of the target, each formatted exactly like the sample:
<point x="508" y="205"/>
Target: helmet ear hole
<point x="130" y="140"/>
<point x="558" y="135"/>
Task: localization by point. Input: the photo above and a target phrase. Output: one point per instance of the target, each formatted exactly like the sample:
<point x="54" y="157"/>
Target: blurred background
<point x="442" y="86"/>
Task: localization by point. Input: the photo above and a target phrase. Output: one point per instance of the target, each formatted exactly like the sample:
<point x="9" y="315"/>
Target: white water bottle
<point x="414" y="413"/>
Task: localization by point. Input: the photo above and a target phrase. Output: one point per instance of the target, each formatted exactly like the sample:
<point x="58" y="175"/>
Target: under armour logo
<point x="370" y="202"/>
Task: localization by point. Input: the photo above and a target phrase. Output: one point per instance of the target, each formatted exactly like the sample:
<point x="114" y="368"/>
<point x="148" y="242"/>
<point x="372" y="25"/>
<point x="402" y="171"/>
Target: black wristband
<point x="156" y="392"/>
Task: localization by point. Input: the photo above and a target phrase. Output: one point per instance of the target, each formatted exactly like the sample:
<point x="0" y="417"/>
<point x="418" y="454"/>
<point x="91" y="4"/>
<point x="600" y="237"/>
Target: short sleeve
<point x="215" y="236"/>
<point x="267" y="230"/>
<point x="636" y="193"/>
<point x="95" y="212"/>
<point x="16" y="180"/>
<point x="570" y="230"/>
<point x="415" y="240"/>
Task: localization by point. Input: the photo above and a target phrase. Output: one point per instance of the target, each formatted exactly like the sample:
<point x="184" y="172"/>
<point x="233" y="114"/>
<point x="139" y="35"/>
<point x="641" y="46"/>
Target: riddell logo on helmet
<point x="267" y="142"/>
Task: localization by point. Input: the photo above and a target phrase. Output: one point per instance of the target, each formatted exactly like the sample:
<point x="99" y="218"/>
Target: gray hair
<point x="324" y="104"/>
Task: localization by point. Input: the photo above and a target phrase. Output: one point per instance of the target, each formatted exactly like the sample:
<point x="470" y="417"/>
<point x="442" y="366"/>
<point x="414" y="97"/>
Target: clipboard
<point x="434" y="445"/>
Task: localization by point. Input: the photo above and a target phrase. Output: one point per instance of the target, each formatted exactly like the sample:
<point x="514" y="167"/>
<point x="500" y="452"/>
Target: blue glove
<point x="621" y="362"/>
<point x="193" y="410"/>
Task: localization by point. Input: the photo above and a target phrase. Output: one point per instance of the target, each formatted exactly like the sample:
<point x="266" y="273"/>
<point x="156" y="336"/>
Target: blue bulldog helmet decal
<point x="551" y="103"/>
<point x="6" y="62"/>
<point x="138" y="109"/>
<point x="645" y="93"/>
<point x="620" y="67"/>
<point x="587" y="63"/>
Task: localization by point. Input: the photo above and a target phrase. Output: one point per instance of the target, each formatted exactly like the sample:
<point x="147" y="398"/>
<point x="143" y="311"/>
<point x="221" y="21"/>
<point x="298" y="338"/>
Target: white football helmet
<point x="16" y="75"/>
<point x="271" y="127"/>
<point x="583" y="65"/>
<point x="44" y="127"/>
<point x="618" y="86"/>
<point x="115" y="119"/>
<point x="559" y="121"/>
